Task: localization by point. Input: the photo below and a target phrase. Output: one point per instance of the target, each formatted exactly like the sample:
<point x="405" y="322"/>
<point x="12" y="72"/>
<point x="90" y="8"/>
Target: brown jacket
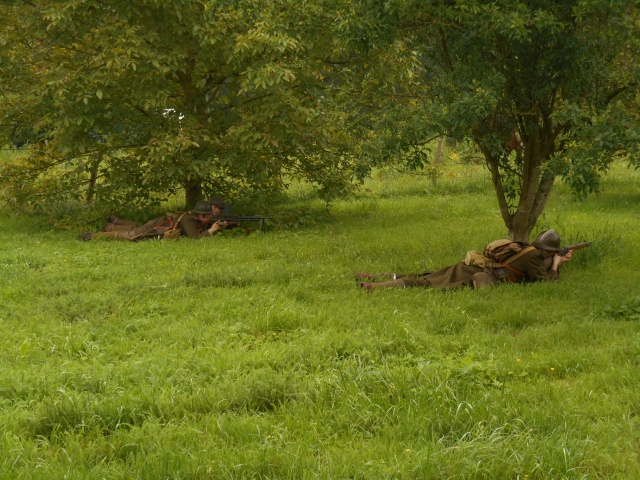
<point x="461" y="275"/>
<point x="191" y="227"/>
<point x="148" y="230"/>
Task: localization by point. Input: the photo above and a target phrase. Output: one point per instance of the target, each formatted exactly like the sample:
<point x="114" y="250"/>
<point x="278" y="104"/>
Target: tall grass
<point x="258" y="357"/>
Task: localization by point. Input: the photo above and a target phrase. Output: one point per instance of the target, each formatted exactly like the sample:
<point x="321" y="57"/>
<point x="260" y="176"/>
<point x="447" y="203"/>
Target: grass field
<point x="258" y="357"/>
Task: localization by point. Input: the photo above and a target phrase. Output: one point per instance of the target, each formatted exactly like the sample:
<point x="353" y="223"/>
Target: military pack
<point x="169" y="229"/>
<point x="497" y="253"/>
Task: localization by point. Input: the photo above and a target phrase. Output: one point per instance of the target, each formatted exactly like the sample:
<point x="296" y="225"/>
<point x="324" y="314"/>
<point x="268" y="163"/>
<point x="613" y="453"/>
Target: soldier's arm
<point x="189" y="227"/>
<point x="537" y="267"/>
<point x="217" y="226"/>
<point x="559" y="260"/>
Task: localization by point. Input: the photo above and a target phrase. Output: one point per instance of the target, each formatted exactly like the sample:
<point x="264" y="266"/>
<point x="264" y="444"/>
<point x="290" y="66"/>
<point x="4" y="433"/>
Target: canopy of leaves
<point x="543" y="88"/>
<point x="130" y="100"/>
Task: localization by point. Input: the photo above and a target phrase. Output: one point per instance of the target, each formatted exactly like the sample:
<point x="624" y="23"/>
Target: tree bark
<point x="536" y="185"/>
<point x="93" y="180"/>
<point x="192" y="192"/>
<point x="438" y="151"/>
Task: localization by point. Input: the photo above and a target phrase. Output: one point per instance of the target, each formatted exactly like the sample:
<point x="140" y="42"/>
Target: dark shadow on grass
<point x="55" y="415"/>
<point x="260" y="391"/>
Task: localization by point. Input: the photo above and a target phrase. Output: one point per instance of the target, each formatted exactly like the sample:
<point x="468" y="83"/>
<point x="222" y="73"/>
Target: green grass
<point x="257" y="357"/>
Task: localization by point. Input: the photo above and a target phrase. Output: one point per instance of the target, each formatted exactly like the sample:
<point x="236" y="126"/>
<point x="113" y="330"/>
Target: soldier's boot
<point x="118" y="235"/>
<point x="375" y="276"/>
<point x="368" y="286"/>
<point x="483" y="280"/>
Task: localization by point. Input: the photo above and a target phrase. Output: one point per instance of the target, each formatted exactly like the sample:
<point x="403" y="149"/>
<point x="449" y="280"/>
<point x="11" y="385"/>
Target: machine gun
<point x="570" y="248"/>
<point x="235" y="220"/>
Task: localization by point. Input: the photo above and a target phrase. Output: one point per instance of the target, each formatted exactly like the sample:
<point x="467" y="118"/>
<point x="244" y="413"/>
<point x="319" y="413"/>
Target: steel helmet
<point x="217" y="202"/>
<point x="548" y="240"/>
<point x="202" y="207"/>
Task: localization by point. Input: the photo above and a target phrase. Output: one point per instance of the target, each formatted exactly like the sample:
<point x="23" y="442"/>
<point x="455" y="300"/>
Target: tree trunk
<point x="520" y="234"/>
<point x="535" y="188"/>
<point x="192" y="186"/>
<point x="192" y="192"/>
<point x="439" y="151"/>
<point x="93" y="180"/>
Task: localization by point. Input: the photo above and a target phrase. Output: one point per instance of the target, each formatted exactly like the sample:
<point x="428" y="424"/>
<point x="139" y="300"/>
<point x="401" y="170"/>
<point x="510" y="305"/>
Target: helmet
<point x="548" y="240"/>
<point x="217" y="202"/>
<point x="202" y="207"/>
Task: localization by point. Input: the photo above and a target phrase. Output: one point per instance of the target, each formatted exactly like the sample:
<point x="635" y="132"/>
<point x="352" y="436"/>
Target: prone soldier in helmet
<point x="197" y="223"/>
<point x="539" y="261"/>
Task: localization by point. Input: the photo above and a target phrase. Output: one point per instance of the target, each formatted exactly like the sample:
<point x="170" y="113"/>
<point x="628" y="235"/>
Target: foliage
<point x="542" y="88"/>
<point x="130" y="101"/>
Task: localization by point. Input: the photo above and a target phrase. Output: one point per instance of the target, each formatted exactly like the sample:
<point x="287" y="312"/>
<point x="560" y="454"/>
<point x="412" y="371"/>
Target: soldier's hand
<point x="560" y="259"/>
<point x="217" y="226"/>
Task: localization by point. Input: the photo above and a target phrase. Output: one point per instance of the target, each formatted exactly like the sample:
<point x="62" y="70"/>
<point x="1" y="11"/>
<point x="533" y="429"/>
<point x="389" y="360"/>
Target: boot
<point x="117" y="235"/>
<point x="368" y="286"/>
<point x="483" y="280"/>
<point x="375" y="276"/>
<point x="391" y="284"/>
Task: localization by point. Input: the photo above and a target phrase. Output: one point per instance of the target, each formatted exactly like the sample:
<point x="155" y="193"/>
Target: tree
<point x="128" y="100"/>
<point x="543" y="88"/>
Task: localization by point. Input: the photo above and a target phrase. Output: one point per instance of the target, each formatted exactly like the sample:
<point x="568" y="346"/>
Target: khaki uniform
<point x="189" y="226"/>
<point x="462" y="275"/>
<point x="119" y="224"/>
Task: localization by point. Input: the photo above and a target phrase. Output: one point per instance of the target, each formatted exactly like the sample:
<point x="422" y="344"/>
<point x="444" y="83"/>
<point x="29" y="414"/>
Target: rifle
<point x="236" y="219"/>
<point x="569" y="248"/>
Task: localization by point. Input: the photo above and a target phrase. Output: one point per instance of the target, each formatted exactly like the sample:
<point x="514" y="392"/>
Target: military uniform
<point x="188" y="223"/>
<point x="463" y="275"/>
<point x="119" y="224"/>
<point x="531" y="266"/>
<point x="148" y="230"/>
<point x="191" y="227"/>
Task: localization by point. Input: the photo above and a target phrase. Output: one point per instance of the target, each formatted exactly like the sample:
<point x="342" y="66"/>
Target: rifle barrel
<point x="564" y="250"/>
<point x="242" y="218"/>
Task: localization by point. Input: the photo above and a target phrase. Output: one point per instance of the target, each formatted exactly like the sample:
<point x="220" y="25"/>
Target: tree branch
<point x="609" y="98"/>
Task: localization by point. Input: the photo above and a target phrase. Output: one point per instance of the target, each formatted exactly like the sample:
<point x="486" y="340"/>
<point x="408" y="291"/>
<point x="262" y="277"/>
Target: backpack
<point x="169" y="229"/>
<point x="501" y="250"/>
<point x="498" y="254"/>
